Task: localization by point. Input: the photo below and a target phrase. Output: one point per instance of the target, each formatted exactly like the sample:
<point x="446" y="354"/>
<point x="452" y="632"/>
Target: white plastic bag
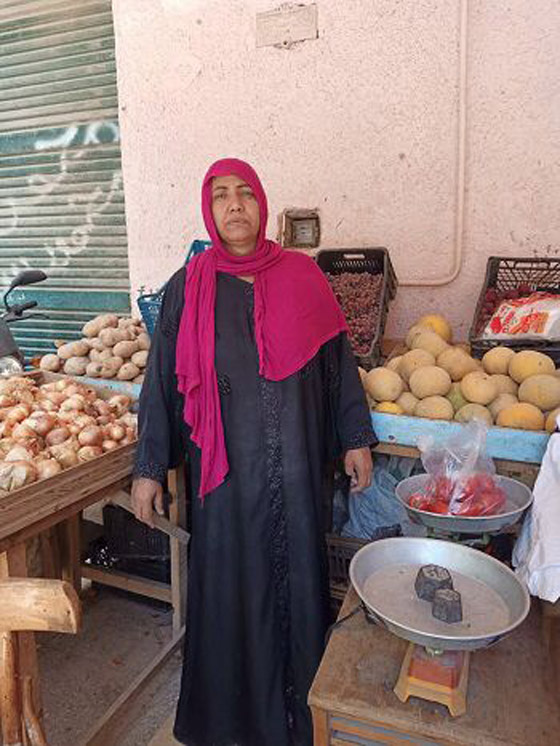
<point x="536" y="316"/>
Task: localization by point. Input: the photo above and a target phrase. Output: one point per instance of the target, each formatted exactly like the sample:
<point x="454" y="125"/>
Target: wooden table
<point x="512" y="698"/>
<point x="59" y="501"/>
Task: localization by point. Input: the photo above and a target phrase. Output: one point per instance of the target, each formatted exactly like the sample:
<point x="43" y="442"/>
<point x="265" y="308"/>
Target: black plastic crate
<point x="507" y="273"/>
<point x="340" y="550"/>
<point x="130" y="539"/>
<point x="376" y="261"/>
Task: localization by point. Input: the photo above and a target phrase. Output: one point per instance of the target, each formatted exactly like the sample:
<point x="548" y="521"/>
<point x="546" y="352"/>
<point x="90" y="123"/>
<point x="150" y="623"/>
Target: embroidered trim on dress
<point x="279" y="538"/>
<point x="149" y="470"/>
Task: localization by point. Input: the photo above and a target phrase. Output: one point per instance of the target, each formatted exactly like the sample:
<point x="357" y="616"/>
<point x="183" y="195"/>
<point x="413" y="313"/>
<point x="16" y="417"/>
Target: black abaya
<point x="257" y="587"/>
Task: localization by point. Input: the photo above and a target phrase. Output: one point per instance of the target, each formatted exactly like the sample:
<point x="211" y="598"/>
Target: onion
<point x="41" y="422"/>
<point x="6" y="444"/>
<point x="84" y="420"/>
<point x="88" y="453"/>
<point x="91" y="436"/>
<point x="7" y="400"/>
<point x="47" y="468"/>
<point x="7" y="385"/>
<point x="56" y="397"/>
<point x="19" y="453"/>
<point x="115" y="431"/>
<point x="120" y="404"/>
<point x="130" y="436"/>
<point x="76" y="401"/>
<point x="129" y="420"/>
<point x="48" y="405"/>
<point x="24" y="396"/>
<point x="61" y="385"/>
<point x="22" y="430"/>
<point x="109" y="445"/>
<point x="16" y="474"/>
<point x="17" y="414"/>
<point x="102" y="407"/>
<point x="57" y="436"/>
<point x="105" y="420"/>
<point x="65" y="453"/>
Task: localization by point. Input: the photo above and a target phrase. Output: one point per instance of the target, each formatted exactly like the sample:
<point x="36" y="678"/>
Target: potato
<point x="50" y="362"/>
<point x="76" y="366"/>
<point x="143" y="340"/>
<point x="94" y="369"/>
<point x="138" y="379"/>
<point x="73" y="349"/>
<point x="125" y="349"/>
<point x="93" y="327"/>
<point x="111" y="367"/>
<point x="110" y="337"/>
<point x="127" y="372"/>
<point x="140" y="358"/>
<point x="96" y="344"/>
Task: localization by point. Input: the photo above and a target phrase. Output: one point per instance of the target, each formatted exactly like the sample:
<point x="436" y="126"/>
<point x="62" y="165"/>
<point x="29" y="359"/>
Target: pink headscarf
<point x="295" y="314"/>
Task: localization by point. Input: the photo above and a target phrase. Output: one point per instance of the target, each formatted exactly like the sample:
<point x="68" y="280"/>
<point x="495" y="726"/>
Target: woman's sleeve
<point x="351" y="418"/>
<point x="161" y="434"/>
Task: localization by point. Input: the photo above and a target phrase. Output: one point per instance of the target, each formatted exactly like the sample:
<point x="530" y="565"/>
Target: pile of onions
<point x="45" y="429"/>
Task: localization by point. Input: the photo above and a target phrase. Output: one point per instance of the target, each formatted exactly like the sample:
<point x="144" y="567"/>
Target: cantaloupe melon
<point x="413" y="360"/>
<point x="457" y="363"/>
<point x="438" y="324"/>
<point x="456" y="397"/>
<point x="363" y="374"/>
<point x="479" y="388"/>
<point x="550" y="424"/>
<point x="541" y="390"/>
<point x="389" y="407"/>
<point x="407" y="402"/>
<point x="429" y="381"/>
<point x="434" y="408"/>
<point x="505" y="384"/>
<point x="413" y="332"/>
<point x="529" y="363"/>
<point x="502" y="401"/>
<point x="383" y="384"/>
<point x="393" y="363"/>
<point x="471" y="412"/>
<point x="521" y="416"/>
<point x="429" y="341"/>
<point x="497" y="360"/>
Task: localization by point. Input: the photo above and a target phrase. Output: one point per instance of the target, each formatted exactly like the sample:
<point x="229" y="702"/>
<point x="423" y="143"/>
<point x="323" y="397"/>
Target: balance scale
<point x="436" y="664"/>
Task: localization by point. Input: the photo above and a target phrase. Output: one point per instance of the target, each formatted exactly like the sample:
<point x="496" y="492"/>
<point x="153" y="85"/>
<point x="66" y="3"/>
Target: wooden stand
<point x="452" y="694"/>
<point x="512" y="700"/>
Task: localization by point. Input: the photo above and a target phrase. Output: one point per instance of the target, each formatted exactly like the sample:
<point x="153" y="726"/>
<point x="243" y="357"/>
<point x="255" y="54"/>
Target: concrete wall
<point x="361" y="123"/>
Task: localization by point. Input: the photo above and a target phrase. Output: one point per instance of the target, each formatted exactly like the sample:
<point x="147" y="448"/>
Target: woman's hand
<point x="358" y="465"/>
<point x="146" y="494"/>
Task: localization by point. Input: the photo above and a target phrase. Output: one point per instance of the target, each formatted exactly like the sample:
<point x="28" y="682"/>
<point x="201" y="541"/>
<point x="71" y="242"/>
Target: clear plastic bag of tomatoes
<point x="462" y="475"/>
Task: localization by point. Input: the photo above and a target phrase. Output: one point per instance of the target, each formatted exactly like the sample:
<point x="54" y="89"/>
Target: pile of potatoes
<point x="442" y="381"/>
<point x="111" y="347"/>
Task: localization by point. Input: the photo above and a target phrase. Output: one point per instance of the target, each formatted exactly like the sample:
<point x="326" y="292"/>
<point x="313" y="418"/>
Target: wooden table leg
<point x="10" y="701"/>
<point x="320" y="727"/>
<point x="13" y="564"/>
<point x="69" y="533"/>
<point x="178" y="516"/>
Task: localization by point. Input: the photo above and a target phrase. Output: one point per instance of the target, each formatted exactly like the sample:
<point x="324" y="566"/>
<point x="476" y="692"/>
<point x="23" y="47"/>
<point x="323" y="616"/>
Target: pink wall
<point x="361" y="123"/>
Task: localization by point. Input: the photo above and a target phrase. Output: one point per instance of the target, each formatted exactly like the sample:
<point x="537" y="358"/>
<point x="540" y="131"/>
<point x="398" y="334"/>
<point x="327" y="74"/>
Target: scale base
<point x="441" y="677"/>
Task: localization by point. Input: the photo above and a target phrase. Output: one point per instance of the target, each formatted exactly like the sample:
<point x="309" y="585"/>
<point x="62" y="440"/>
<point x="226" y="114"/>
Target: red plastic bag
<point x="461" y="476"/>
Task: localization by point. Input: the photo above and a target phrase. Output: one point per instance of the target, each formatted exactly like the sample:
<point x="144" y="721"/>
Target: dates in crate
<point x="359" y="295"/>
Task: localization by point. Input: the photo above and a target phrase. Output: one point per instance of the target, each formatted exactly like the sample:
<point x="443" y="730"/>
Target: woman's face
<point x="236" y="214"/>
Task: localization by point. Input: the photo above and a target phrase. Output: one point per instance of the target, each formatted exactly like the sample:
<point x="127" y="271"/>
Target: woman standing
<point x="251" y="374"/>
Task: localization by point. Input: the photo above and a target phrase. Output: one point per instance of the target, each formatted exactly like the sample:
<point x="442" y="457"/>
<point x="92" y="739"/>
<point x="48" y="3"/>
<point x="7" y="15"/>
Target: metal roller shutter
<point x="61" y="194"/>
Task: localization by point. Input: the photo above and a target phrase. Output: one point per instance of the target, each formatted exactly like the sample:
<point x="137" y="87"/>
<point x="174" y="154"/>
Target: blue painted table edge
<point x="503" y="443"/>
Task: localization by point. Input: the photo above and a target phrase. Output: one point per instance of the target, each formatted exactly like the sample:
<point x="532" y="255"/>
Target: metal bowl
<point x="494" y="601"/>
<point x="518" y="498"/>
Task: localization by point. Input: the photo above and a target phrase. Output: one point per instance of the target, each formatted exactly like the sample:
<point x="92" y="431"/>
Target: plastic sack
<point x="375" y="512"/>
<point x="462" y="475"/>
<point x="536" y="316"/>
